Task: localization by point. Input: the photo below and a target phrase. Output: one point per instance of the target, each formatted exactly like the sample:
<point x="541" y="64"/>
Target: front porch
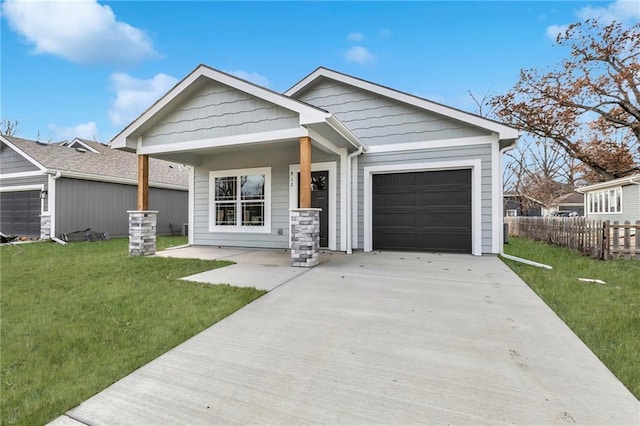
<point x="252" y="153"/>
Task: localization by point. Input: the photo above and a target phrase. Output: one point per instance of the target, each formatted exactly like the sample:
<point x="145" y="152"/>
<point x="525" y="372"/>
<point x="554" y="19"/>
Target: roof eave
<point x="345" y="132"/>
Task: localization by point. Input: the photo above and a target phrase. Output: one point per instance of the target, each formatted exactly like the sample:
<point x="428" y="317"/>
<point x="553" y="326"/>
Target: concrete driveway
<point x="377" y="338"/>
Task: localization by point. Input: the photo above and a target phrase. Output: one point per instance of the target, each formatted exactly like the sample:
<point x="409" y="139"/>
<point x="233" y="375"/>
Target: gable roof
<point x="99" y="162"/>
<point x="308" y="114"/>
<point x="504" y="131"/>
<point x="570" y="198"/>
<point x="628" y="180"/>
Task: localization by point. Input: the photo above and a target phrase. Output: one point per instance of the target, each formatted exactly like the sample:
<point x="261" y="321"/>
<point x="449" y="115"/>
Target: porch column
<point x="305" y="172"/>
<point x="305" y="221"/>
<point x="143" y="182"/>
<point x="142" y="221"/>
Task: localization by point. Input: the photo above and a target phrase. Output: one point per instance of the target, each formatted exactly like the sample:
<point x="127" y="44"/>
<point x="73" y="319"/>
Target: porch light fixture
<point x="43" y="194"/>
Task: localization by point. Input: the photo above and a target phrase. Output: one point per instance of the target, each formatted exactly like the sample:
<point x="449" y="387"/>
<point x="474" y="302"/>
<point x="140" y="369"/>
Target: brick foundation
<point x="142" y="232"/>
<point x="305" y="237"/>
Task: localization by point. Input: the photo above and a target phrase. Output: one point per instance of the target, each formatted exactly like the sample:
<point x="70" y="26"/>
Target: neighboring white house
<point x="615" y="200"/>
<point x="390" y="170"/>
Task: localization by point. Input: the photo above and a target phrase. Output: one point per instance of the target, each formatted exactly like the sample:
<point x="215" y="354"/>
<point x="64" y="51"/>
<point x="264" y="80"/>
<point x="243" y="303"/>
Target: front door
<point x="320" y="200"/>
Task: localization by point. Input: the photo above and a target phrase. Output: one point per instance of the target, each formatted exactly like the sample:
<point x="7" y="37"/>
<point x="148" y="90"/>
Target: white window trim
<point x="331" y="167"/>
<point x="239" y="229"/>
<point x="26" y="188"/>
<point x="476" y="194"/>
<point x="514" y="211"/>
<point x="605" y="193"/>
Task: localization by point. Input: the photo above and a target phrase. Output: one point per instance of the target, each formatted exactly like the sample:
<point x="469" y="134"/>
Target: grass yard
<point x="77" y="318"/>
<point x="606" y="317"/>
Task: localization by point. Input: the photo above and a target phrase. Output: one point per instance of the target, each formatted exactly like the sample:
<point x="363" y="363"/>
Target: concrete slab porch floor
<point x="261" y="269"/>
<point x="377" y="338"/>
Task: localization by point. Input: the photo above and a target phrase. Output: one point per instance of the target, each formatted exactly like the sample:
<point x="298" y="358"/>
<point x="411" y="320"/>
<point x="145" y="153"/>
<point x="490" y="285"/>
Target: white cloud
<point x="359" y="55"/>
<point x="253" y="77"/>
<point x="134" y="95"/>
<point x="620" y="10"/>
<point x="355" y="36"/>
<point x="554" y="30"/>
<point x="80" y="31"/>
<point x="83" y="130"/>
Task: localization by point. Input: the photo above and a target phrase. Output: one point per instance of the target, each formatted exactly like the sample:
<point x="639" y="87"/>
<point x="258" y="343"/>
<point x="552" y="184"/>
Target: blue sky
<point x="87" y="68"/>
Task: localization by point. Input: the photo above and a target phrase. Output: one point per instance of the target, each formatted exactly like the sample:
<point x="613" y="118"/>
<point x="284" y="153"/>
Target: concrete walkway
<point x="377" y="338"/>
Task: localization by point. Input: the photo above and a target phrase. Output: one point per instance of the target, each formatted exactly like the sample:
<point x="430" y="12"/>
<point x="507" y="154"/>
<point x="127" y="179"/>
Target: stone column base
<point x="305" y="237"/>
<point x="142" y="232"/>
<point x="45" y="226"/>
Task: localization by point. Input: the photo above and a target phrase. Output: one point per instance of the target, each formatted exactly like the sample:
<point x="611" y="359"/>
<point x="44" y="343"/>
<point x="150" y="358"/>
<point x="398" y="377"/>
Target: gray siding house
<point x="615" y="200"/>
<point x="390" y="171"/>
<point x="57" y="188"/>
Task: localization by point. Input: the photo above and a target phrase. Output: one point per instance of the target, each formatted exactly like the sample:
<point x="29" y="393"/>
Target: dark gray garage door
<point x="20" y="213"/>
<point x="423" y="211"/>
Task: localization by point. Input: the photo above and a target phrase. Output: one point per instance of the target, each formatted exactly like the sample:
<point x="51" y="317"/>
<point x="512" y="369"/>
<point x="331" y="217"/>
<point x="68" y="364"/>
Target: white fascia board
<point x="308" y="114"/>
<point x="345" y="132"/>
<point x="634" y="179"/>
<point x="226" y="141"/>
<point x="440" y="143"/>
<point x="504" y="131"/>
<point x="115" y="179"/>
<point x="21" y="174"/>
<point x="23" y="154"/>
<point x="22" y="188"/>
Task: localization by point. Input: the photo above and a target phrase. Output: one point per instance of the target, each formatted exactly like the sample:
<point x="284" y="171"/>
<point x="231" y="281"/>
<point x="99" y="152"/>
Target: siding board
<point x="12" y="162"/>
<point x="217" y="110"/>
<point x="103" y="206"/>
<point x="377" y="120"/>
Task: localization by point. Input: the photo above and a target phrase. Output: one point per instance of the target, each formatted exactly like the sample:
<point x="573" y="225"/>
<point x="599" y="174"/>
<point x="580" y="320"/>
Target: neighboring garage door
<point x="20" y="213"/>
<point x="422" y="211"/>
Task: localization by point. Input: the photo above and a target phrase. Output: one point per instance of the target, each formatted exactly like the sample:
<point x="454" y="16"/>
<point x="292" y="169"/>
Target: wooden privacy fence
<point x="595" y="238"/>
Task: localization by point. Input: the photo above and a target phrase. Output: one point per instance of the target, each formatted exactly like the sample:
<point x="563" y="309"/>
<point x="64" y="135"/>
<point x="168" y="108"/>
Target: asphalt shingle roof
<point x="107" y="162"/>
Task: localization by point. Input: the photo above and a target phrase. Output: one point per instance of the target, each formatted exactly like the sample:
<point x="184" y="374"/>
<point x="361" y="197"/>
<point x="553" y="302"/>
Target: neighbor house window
<point x="240" y="200"/>
<point x="605" y="201"/>
<point x="512" y="213"/>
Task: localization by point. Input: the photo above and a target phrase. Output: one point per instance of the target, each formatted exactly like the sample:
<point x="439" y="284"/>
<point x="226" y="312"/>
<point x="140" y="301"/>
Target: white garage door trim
<point x="476" y="199"/>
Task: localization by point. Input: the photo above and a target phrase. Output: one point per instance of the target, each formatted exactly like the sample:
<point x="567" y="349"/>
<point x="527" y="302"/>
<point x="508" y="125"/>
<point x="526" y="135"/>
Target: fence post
<point x="605" y="240"/>
<point x="637" y="237"/>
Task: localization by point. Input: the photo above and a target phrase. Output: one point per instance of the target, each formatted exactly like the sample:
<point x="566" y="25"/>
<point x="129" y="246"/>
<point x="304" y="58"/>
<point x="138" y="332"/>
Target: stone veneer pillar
<point x="45" y="226"/>
<point x="305" y="237"/>
<point x="142" y="232"/>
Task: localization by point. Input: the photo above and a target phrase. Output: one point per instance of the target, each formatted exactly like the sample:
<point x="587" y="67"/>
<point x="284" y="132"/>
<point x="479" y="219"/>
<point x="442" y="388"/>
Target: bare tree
<point x="590" y="103"/>
<point x="9" y="128"/>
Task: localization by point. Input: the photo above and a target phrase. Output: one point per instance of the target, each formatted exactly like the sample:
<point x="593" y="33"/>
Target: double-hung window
<point x="240" y="200"/>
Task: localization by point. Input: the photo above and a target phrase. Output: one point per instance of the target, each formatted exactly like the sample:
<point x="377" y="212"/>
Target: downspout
<point x="349" y="223"/>
<point x="51" y="207"/>
<point x="502" y="253"/>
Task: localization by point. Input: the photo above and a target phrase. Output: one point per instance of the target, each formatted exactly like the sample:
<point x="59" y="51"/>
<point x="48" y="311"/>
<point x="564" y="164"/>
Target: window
<point x="240" y="200"/>
<point x="605" y="201"/>
<point x="512" y="213"/>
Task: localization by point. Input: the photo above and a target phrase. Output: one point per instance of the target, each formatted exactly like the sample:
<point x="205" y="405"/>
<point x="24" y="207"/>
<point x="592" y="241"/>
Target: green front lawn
<point x="77" y="318"/>
<point x="606" y="317"/>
